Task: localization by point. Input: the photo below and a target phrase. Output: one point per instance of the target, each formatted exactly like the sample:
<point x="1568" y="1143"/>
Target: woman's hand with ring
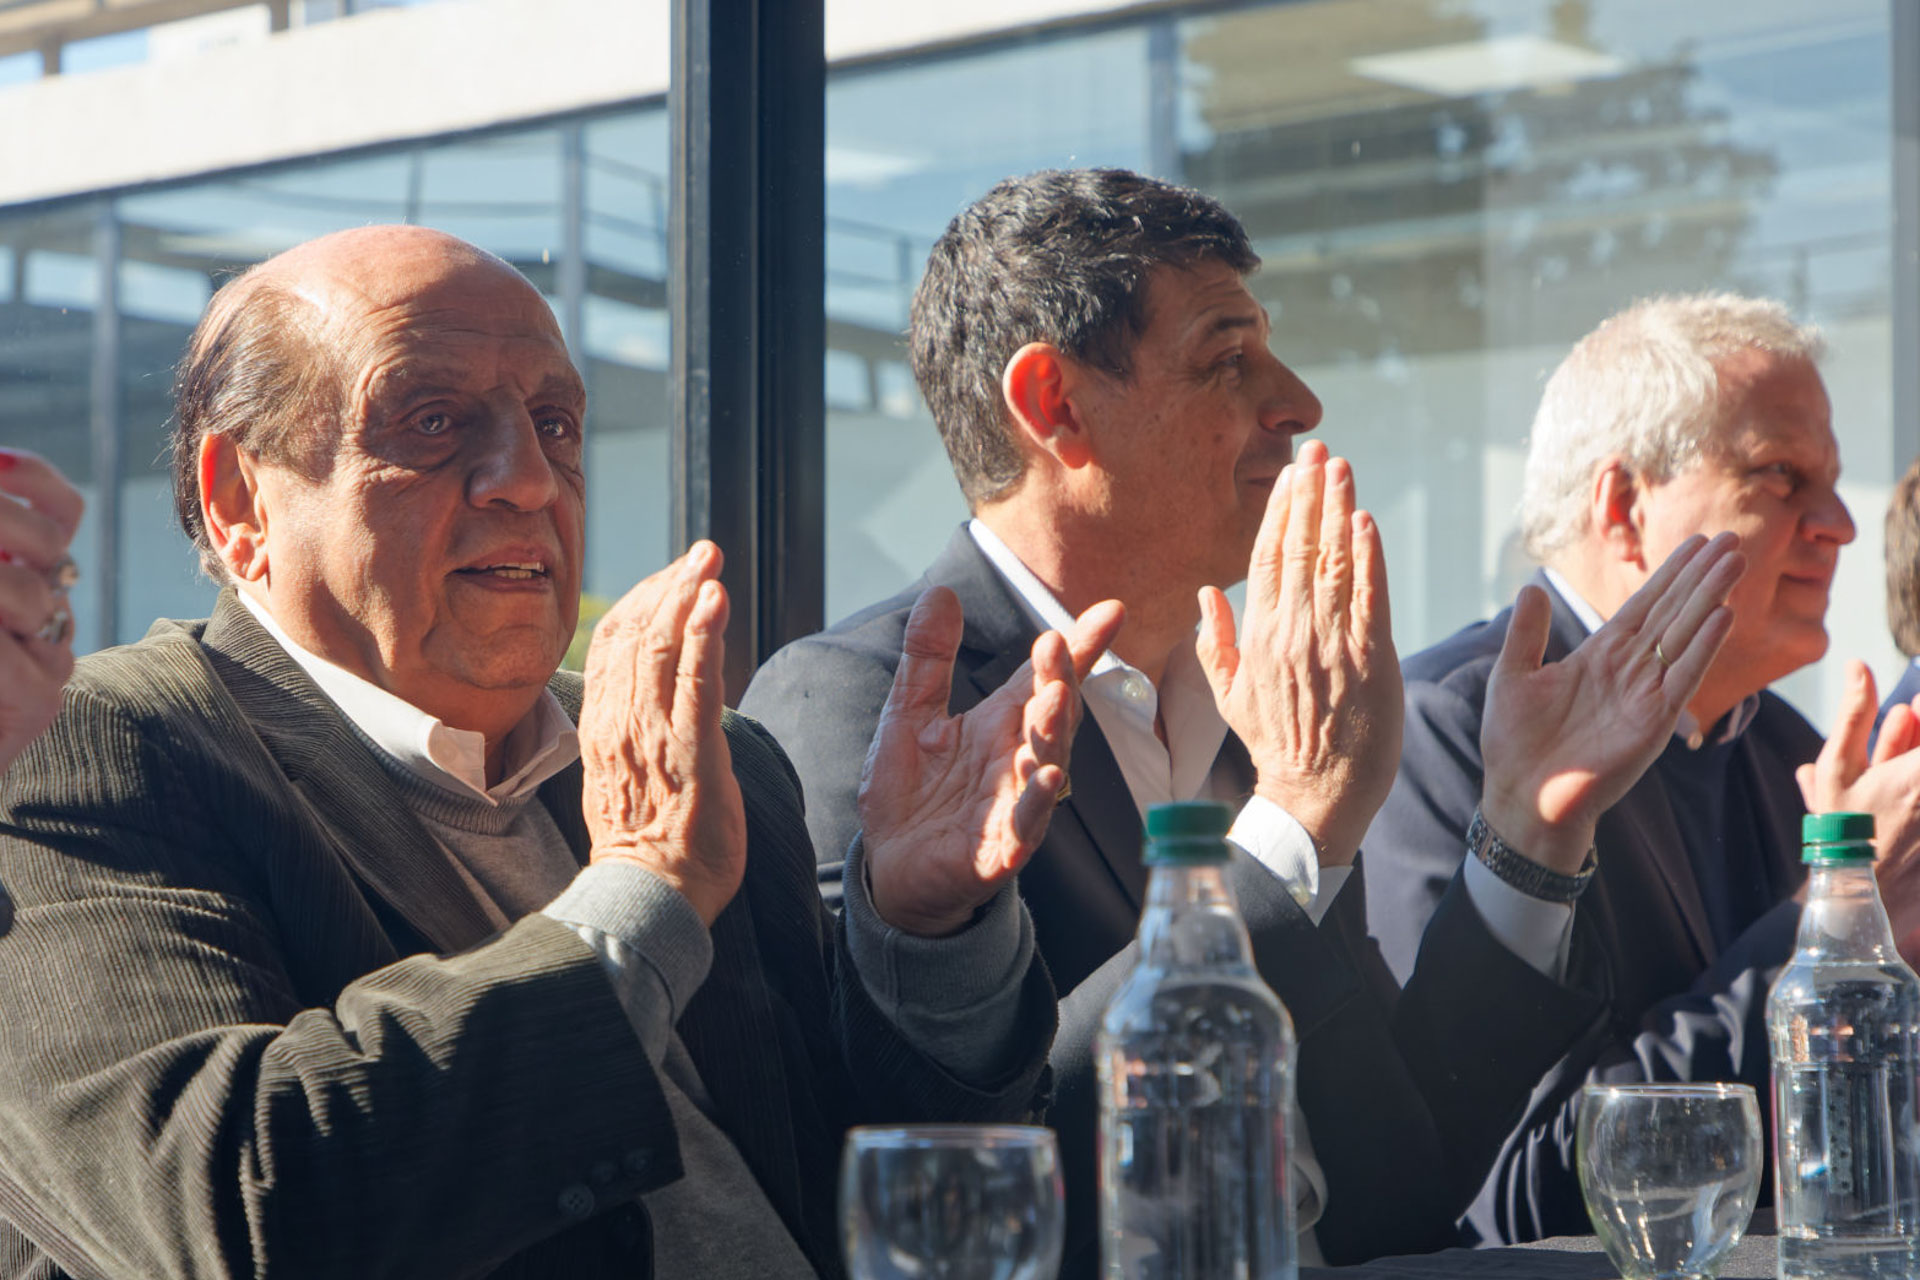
<point x="39" y="512"/>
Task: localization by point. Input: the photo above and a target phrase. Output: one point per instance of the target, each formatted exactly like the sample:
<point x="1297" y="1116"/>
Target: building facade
<point x="1445" y="193"/>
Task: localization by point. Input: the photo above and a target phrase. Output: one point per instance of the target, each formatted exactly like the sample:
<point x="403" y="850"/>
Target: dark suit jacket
<point x="252" y="1022"/>
<point x="1682" y="1008"/>
<point x="1405" y="1108"/>
<point x="1904" y="690"/>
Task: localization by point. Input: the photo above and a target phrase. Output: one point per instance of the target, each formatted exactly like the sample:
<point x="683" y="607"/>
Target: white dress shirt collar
<point x="1688" y="729"/>
<point x="1127" y="706"/>
<point x="1042" y="607"/>
<point x="541" y="745"/>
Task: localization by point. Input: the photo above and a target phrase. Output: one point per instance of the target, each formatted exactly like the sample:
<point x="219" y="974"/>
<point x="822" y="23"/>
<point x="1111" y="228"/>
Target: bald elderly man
<point x="343" y="936"/>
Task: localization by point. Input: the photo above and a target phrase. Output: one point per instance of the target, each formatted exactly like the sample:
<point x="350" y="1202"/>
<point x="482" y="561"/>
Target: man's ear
<point x="232" y="508"/>
<point x="1038" y="388"/>
<point x="1614" y="510"/>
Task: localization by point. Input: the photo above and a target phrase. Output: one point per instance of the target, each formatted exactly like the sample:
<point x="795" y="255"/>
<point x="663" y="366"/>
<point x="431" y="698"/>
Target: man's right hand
<point x="1313" y="686"/>
<point x="951" y="807"/>
<point x="659" y="786"/>
<point x="1564" y="741"/>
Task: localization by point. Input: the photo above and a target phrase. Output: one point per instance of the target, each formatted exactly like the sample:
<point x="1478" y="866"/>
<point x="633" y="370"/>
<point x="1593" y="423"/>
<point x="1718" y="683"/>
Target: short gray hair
<point x="1645" y="387"/>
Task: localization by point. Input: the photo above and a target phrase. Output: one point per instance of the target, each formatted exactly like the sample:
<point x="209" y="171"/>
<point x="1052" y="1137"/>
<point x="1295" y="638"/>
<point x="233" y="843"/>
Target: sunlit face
<point x="440" y="556"/>
<point x="1771" y="478"/>
<point x="1192" y="442"/>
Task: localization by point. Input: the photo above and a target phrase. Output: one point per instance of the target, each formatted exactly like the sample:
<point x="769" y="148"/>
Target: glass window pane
<point x="46" y="340"/>
<point x="507" y="191"/>
<point x="1445" y="198"/>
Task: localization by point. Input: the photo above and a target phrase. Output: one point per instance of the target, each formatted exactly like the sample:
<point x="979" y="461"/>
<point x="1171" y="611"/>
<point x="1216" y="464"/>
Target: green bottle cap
<point x="1189" y="834"/>
<point x="1837" y="837"/>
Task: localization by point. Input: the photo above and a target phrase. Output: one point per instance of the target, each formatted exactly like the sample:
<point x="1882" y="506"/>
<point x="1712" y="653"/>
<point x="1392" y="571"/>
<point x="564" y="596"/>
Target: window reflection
<point x="1445" y="195"/>
<point x="513" y="192"/>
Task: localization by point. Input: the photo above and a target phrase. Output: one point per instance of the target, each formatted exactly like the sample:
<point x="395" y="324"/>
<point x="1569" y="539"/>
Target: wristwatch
<point x="1534" y="879"/>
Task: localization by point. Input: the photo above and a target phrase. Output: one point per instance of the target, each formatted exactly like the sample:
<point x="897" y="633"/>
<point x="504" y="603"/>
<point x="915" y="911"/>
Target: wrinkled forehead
<point x="454" y="319"/>
<point x="456" y="292"/>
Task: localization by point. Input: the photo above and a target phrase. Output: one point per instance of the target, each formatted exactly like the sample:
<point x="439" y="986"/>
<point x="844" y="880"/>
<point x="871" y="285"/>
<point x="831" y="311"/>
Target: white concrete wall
<point x="394" y="74"/>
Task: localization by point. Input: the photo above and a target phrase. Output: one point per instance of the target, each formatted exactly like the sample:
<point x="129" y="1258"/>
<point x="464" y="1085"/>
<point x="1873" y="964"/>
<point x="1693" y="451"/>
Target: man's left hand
<point x="1844" y="779"/>
<point x="952" y="806"/>
<point x="1311" y="684"/>
<point x="1564" y="741"/>
<point x="659" y="788"/>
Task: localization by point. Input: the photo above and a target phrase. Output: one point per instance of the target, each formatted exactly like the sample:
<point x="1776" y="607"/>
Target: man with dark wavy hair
<point x="1100" y="374"/>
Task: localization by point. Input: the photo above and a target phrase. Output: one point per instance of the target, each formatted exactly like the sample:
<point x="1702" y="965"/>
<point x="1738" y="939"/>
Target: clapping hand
<point x="659" y="786"/>
<point x="1843" y="779"/>
<point x="1565" y="740"/>
<point x="39" y="512"/>
<point x="1312" y="687"/>
<point x="952" y="806"/>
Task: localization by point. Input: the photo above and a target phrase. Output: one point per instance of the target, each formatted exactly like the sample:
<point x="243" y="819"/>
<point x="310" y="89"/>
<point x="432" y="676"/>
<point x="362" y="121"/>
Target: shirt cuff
<point x="1537" y="931"/>
<point x="955" y="999"/>
<point x="1273" y="838"/>
<point x="652" y="943"/>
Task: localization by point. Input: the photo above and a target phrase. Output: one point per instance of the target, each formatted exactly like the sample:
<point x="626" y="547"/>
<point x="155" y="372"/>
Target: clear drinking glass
<point x="1670" y="1173"/>
<point x="951" y="1202"/>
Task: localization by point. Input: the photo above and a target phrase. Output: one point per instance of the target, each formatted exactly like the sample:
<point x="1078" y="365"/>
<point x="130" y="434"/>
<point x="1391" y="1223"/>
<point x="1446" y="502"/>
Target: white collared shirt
<point x="541" y="745"/>
<point x="1126" y="705"/>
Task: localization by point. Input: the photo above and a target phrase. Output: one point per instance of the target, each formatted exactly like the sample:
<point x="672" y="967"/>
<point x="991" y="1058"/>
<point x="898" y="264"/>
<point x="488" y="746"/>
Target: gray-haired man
<point x="1679" y="416"/>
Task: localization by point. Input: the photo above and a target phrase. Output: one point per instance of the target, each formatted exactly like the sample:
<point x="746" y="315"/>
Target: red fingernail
<point x="8" y="458"/>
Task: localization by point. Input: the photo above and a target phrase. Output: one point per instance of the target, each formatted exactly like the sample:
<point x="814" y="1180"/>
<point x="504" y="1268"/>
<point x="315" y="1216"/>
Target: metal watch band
<point x="1534" y="879"/>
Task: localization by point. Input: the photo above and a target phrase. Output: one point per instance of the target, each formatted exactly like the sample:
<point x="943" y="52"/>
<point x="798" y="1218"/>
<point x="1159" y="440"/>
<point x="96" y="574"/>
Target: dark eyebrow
<point x="1228" y="324"/>
<point x="561" y="386"/>
<point x="1235" y="322"/>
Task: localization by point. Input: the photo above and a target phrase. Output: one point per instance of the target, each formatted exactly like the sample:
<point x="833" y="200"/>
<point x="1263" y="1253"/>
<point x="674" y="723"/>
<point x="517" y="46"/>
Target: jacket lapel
<point x="350" y="794"/>
<point x="998" y="637"/>
<point x="1646" y="813"/>
<point x="1644" y="816"/>
<point x="1774" y="745"/>
<point x="562" y="792"/>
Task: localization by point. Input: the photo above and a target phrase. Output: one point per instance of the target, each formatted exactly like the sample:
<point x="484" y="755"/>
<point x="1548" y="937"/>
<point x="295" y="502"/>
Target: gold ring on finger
<point x="1660" y="656"/>
<point x="63" y="575"/>
<point x="58" y="628"/>
<point x="1066" y="787"/>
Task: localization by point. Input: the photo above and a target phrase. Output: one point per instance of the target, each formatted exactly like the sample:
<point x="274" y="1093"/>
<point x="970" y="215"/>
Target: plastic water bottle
<point x="1844" y="1019"/>
<point x="1196" y="1080"/>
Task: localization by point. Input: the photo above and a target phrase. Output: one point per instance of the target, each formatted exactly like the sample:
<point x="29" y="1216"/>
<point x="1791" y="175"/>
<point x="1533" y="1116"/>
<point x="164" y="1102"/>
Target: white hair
<point x="1643" y="387"/>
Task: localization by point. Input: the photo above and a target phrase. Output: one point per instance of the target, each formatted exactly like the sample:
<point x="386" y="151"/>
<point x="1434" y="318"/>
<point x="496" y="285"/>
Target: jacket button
<point x="636" y="1161"/>
<point x="576" y="1201"/>
<point x="603" y="1172"/>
